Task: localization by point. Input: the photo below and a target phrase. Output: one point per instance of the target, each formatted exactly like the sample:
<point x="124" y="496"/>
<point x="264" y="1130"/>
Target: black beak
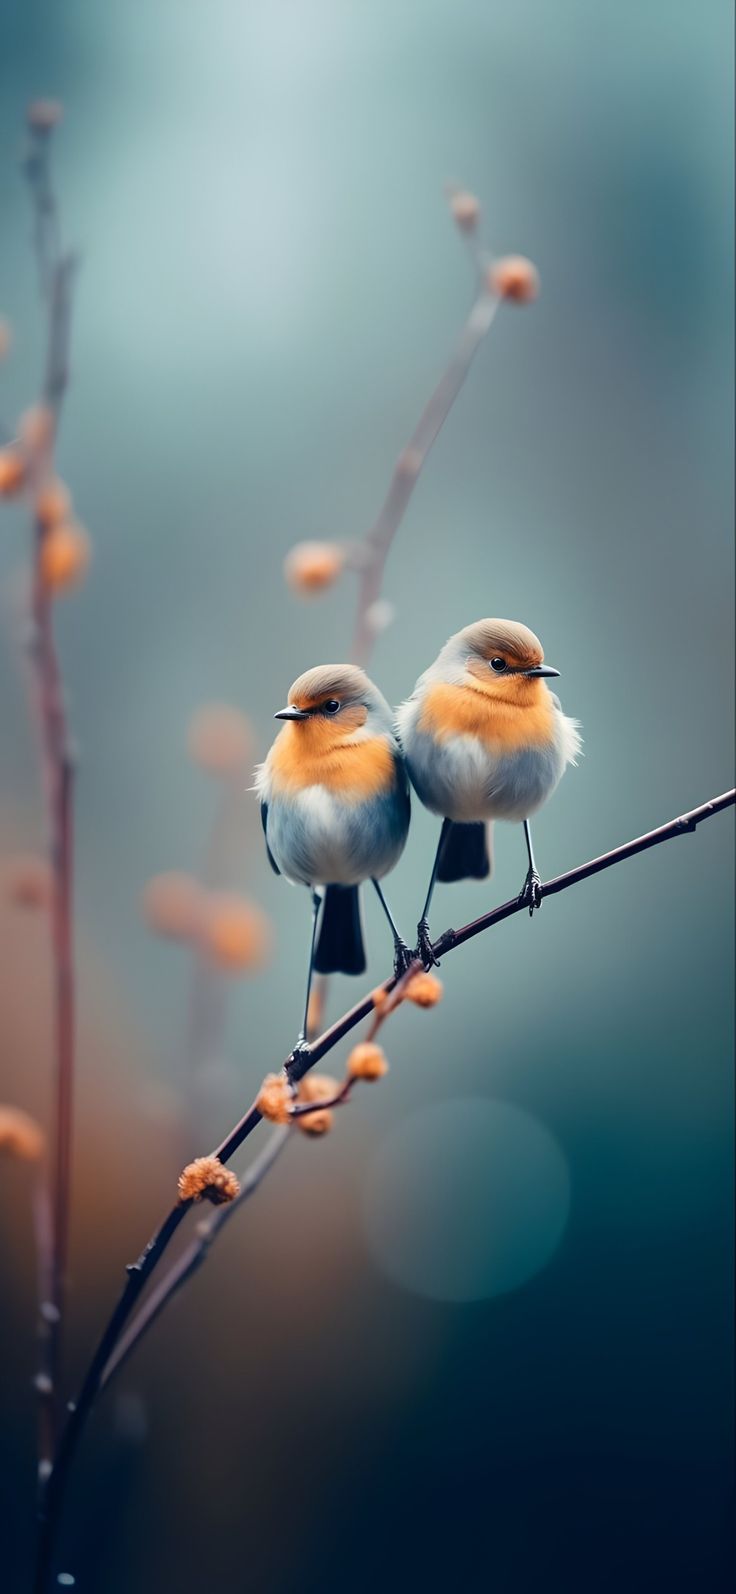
<point x="541" y="669"/>
<point x="291" y="713"/>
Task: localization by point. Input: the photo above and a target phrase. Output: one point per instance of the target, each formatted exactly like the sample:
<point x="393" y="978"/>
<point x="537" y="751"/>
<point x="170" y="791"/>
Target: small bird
<point x="484" y="738"/>
<point x="335" y="809"/>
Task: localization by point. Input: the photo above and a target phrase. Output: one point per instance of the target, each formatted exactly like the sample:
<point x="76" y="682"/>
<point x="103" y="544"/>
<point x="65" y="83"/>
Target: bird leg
<point x="424" y="941"/>
<point x="402" y="955"/>
<point x="531" y="894"/>
<point x="302" y="1044"/>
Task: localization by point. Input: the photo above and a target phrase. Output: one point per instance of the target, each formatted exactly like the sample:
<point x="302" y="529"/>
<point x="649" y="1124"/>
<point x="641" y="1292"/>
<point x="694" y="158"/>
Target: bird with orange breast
<point x="484" y="738"/>
<point x="335" y="809"/>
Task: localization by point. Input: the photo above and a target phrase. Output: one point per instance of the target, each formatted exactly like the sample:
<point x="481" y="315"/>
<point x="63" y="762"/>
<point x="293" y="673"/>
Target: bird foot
<point x="403" y="959"/>
<point x="424" y="946"/>
<point x="531" y="895"/>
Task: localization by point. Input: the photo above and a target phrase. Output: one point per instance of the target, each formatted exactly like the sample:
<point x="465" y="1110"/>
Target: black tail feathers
<point x="465" y="854"/>
<point x="340" y="945"/>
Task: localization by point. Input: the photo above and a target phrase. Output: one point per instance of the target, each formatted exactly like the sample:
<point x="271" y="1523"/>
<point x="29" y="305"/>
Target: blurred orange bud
<point x="43" y="115"/>
<point x="53" y="503"/>
<point x="514" y="278"/>
<point x="274" y="1099"/>
<point x="465" y="209"/>
<point x="207" y="1179"/>
<point x="20" y="1136"/>
<point x="12" y="472"/>
<point x="379" y="998"/>
<point x="312" y="566"/>
<point x="36" y="428"/>
<point x="219" y="739"/>
<point x="235" y="934"/>
<point x="6" y="337"/>
<point x="316" y="1088"/>
<point x="425" y="990"/>
<point x="367" y="1061"/>
<point x="173" y="904"/>
<point x="28" y="881"/>
<point x="64" y="557"/>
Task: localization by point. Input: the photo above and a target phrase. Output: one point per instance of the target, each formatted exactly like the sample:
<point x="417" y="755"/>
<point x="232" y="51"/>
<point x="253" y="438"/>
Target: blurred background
<point x="480" y="1335"/>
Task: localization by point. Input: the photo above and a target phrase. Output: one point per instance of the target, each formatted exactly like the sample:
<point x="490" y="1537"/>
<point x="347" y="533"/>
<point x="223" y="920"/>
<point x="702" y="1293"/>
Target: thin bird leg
<point x="424" y="942"/>
<point x="402" y="955"/>
<point x="317" y="898"/>
<point x="531" y="895"/>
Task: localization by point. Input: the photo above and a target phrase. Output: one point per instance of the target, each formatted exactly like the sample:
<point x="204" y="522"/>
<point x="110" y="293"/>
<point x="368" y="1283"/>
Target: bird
<point x="335" y="809"/>
<point x="484" y="738"/>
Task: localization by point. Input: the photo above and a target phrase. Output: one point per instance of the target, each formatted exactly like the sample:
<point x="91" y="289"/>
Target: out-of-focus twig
<point x="140" y="1272"/>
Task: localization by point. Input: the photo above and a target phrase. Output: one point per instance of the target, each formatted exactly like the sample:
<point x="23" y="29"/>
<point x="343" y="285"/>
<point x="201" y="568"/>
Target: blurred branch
<point x="56" y="272"/>
<point x="103" y="1362"/>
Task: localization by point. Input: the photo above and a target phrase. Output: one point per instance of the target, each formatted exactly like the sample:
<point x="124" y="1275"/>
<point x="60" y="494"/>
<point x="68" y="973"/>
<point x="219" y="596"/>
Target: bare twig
<point x="140" y="1271"/>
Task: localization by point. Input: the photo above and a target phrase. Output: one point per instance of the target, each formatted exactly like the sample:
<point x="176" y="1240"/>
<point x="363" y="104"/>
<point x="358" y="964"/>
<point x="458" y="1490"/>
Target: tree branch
<point x="104" y="1363"/>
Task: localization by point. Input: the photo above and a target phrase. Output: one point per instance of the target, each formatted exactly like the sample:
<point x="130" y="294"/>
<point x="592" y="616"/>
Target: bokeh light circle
<point x="466" y="1199"/>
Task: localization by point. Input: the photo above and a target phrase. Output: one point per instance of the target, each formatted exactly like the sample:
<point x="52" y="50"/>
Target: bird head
<point x="333" y="705"/>
<point x="501" y="658"/>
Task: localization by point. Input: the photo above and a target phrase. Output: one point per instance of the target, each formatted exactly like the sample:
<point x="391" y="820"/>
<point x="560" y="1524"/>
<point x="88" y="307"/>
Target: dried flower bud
<point x="312" y="566"/>
<point x="20" y="1136"/>
<point x="36" y="429"/>
<point x="53" y="503"/>
<point x="44" y="115"/>
<point x="367" y="1061"/>
<point x="28" y="881"/>
<point x="274" y="1099"/>
<point x="12" y="472"/>
<point x="207" y="1179"/>
<point x="6" y="337"/>
<point x="172" y="905"/>
<point x="465" y="209"/>
<point x="319" y="1122"/>
<point x="65" y="555"/>
<point x="514" y="278"/>
<point x="234" y="933"/>
<point x="316" y="1088"/>
<point x="219" y="739"/>
<point x="425" y="990"/>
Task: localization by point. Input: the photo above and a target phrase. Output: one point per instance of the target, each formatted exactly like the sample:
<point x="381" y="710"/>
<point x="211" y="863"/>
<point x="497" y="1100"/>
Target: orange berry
<point x="312" y="566"/>
<point x="28" y="881"/>
<point x="219" y="739"/>
<point x="514" y="278"/>
<point x="12" y="472"/>
<point x="64" y="557"/>
<point x="53" y="503"/>
<point x="367" y="1061"/>
<point x="20" y="1136"/>
<point x="425" y="990"/>
<point x="234" y="934"/>
<point x="172" y="905"/>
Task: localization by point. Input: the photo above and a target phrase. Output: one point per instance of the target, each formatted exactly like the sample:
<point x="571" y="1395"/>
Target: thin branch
<point x="141" y="1270"/>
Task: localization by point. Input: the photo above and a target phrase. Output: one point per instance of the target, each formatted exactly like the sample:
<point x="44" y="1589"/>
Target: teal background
<point x="270" y="286"/>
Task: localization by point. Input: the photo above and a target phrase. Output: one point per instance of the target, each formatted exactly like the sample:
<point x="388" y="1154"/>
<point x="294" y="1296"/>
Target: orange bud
<point x="12" y="472"/>
<point x="172" y="905"/>
<point x="465" y="210"/>
<point x="514" y="278"/>
<point x="28" y="881"/>
<point x="43" y="115"/>
<point x="219" y="739"/>
<point x="274" y="1099"/>
<point x="235" y="933"/>
<point x="316" y="1088"/>
<point x="425" y="990"/>
<point x="312" y="566"/>
<point x="207" y="1179"/>
<point x="367" y="1061"/>
<point x="53" y="503"/>
<point x="64" y="557"/>
<point x="20" y="1136"/>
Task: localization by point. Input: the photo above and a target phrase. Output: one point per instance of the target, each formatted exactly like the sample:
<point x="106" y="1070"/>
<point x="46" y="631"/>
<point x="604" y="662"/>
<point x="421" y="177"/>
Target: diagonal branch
<point x="102" y="1364"/>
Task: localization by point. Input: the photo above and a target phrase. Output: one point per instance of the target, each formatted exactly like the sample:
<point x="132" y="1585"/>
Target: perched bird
<point x="484" y="738"/>
<point x="335" y="809"/>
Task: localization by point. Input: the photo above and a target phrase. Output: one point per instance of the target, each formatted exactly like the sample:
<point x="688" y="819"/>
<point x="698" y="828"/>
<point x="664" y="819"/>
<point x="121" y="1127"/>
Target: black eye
<point x="498" y="665"/>
<point x="331" y="706"/>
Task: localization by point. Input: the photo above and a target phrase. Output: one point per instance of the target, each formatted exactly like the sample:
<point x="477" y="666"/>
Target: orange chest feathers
<point x="450" y="711"/>
<point x="303" y="755"/>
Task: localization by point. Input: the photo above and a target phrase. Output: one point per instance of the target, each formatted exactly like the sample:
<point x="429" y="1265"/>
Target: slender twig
<point x="140" y="1271"/>
<point x="43" y="1235"/>
<point x="56" y="271"/>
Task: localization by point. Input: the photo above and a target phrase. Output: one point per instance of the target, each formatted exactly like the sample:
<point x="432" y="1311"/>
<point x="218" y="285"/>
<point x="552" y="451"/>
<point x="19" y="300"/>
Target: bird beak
<point x="291" y="713"/>
<point x="541" y="669"/>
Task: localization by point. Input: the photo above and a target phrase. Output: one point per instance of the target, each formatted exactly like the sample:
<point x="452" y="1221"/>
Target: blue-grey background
<point x="270" y="286"/>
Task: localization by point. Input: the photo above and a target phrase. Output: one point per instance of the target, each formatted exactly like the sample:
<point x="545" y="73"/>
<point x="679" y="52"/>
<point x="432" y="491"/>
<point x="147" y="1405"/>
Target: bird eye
<point x="498" y="665"/>
<point x="331" y="706"/>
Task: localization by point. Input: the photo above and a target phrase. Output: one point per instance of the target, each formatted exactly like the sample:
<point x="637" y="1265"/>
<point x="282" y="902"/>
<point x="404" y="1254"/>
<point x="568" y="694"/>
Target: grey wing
<point x="264" y="822"/>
